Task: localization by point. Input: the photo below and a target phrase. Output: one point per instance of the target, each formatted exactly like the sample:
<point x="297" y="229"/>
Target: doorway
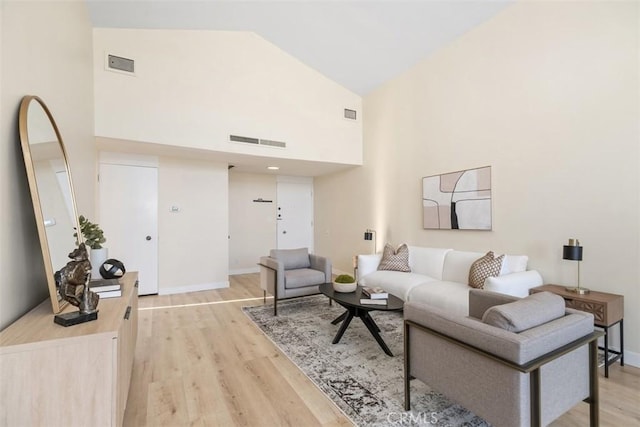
<point x="128" y="205"/>
<point x="294" y="213"/>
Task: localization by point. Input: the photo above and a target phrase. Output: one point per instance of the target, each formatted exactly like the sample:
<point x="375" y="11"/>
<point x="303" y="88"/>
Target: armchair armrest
<point x="271" y="275"/>
<point x="368" y="264"/>
<point x="516" y="284"/>
<point x="323" y="264"/>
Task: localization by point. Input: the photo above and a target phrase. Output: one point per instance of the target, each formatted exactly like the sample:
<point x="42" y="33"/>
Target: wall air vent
<point x="350" y="114"/>
<point x="257" y="141"/>
<point x="120" y="64"/>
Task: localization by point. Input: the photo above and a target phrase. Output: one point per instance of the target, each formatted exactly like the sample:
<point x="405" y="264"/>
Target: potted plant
<point x="344" y="283"/>
<point x="93" y="238"/>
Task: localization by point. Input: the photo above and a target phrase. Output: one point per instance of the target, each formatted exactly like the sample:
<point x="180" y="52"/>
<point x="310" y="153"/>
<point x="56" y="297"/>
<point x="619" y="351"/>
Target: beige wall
<point x="547" y="94"/>
<point x="46" y="50"/>
<point x="195" y="88"/>
<point x="193" y="244"/>
<point x="252" y="225"/>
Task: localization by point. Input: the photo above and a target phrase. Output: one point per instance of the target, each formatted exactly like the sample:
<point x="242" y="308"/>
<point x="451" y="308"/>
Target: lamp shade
<point x="368" y="235"/>
<point x="573" y="253"/>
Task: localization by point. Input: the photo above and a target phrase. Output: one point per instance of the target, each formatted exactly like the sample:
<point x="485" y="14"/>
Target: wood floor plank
<point x="200" y="361"/>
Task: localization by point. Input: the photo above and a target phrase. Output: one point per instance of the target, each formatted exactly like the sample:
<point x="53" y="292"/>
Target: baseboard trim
<point x="244" y="271"/>
<point x="631" y="358"/>
<point x="194" y="288"/>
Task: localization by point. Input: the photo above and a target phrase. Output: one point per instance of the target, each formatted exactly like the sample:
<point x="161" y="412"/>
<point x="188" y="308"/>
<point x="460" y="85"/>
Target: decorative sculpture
<point x="73" y="285"/>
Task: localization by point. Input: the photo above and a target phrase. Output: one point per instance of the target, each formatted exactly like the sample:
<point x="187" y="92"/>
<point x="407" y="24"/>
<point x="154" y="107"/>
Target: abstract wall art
<point x="457" y="200"/>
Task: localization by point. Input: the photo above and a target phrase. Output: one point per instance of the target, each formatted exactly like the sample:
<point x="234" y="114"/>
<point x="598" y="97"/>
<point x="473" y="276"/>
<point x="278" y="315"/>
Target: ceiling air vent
<point x="272" y="143"/>
<point x="257" y="141"/>
<point x="245" y="139"/>
<point x="120" y="64"/>
<point x="350" y="114"/>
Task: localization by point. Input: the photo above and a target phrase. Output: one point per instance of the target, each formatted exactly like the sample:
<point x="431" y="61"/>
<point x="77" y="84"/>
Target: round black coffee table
<point x="351" y="301"/>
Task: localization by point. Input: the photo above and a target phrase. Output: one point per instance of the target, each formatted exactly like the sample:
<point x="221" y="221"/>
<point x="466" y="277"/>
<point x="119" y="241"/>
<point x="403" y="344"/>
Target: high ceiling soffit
<point x="358" y="44"/>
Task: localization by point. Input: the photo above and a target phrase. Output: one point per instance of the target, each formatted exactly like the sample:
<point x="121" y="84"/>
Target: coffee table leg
<point x="343" y="327"/>
<point x="373" y="328"/>
<point x="340" y="318"/>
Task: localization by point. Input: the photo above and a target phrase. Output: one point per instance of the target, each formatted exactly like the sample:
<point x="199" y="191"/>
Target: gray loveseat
<point x="525" y="364"/>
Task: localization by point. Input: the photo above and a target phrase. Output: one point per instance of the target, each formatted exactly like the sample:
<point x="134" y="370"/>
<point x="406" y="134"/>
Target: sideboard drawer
<point x="598" y="310"/>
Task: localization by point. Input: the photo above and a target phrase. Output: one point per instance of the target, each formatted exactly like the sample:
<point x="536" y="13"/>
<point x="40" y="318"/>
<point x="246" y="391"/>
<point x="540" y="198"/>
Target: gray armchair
<point x="513" y="362"/>
<point x="289" y="273"/>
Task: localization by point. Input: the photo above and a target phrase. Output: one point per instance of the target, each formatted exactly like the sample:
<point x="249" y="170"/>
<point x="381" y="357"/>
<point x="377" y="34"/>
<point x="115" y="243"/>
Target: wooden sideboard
<point x="69" y="376"/>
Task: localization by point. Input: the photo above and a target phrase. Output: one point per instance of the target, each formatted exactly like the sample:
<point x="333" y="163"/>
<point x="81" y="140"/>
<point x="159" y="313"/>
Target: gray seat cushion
<point x="526" y="313"/>
<point x="302" y="277"/>
<point x="292" y="258"/>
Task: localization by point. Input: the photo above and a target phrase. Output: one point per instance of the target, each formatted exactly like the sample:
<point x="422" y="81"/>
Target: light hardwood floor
<point x="201" y="362"/>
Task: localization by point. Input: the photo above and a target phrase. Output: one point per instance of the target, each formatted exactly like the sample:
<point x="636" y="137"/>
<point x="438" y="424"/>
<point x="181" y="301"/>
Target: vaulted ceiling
<point x="358" y="44"/>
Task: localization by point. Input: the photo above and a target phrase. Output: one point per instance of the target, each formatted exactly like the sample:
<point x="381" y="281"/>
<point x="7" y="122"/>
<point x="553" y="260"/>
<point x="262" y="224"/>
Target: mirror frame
<point x="57" y="303"/>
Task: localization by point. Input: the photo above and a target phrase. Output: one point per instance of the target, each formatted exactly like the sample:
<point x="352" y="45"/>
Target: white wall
<point x="547" y="94"/>
<point x="193" y="245"/>
<point x="252" y="225"/>
<point x="195" y="88"/>
<point x="46" y="50"/>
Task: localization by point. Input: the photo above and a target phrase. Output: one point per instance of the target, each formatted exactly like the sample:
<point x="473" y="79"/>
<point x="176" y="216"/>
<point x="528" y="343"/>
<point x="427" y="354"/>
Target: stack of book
<point x="374" y="295"/>
<point x="106" y="288"/>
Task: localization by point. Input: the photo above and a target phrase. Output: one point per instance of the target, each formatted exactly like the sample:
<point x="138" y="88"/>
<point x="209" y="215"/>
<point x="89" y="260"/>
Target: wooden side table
<point x="607" y="310"/>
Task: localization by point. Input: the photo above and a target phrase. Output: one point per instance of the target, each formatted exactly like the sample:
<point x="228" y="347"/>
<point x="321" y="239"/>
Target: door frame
<point x="134" y="160"/>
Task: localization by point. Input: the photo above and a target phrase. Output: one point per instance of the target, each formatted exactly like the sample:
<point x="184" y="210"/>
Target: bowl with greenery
<point x="344" y="283"/>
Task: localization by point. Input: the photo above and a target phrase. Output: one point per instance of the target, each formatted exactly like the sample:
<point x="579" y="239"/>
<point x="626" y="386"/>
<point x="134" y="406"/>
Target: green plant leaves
<point x="92" y="233"/>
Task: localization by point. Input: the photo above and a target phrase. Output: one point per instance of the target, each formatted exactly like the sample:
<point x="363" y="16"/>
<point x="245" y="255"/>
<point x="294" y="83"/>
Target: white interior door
<point x="294" y="213"/>
<point x="128" y="198"/>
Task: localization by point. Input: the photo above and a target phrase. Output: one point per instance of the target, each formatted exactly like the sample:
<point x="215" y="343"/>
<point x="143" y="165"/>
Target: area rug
<point x="365" y="383"/>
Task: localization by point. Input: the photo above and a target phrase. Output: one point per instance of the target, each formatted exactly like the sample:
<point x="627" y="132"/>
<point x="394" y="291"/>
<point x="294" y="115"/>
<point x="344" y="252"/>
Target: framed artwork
<point x="457" y="200"/>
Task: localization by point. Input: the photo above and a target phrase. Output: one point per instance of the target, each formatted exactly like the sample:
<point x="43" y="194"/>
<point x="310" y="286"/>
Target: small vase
<point x="97" y="258"/>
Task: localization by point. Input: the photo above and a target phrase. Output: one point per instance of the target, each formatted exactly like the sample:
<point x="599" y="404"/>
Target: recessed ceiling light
<point x="273" y="168"/>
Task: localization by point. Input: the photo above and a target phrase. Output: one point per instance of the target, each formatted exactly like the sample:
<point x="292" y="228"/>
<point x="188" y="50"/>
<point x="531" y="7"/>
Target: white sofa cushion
<point x="367" y="264"/>
<point x="395" y="282"/>
<point x="514" y="264"/>
<point x="450" y="296"/>
<point x="516" y="284"/>
<point x="428" y="261"/>
<point x="457" y="265"/>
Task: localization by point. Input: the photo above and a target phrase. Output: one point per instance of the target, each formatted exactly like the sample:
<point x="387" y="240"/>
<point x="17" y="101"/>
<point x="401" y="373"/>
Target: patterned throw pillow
<point x="395" y="260"/>
<point x="487" y="266"/>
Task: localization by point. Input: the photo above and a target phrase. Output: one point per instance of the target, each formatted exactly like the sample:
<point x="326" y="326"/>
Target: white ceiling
<point x="359" y="44"/>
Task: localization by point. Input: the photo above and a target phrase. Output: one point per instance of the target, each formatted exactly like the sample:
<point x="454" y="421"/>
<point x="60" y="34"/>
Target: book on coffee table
<point x="372" y="301"/>
<point x="375" y="292"/>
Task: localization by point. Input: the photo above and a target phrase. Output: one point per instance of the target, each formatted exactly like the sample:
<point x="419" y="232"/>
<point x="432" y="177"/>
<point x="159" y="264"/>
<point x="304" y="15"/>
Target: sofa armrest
<point x="481" y="300"/>
<point x="323" y="264"/>
<point x="516" y="284"/>
<point x="367" y="264"/>
<point x="518" y="348"/>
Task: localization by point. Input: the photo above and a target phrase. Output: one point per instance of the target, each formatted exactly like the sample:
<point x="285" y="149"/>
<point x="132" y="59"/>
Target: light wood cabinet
<point x="74" y="376"/>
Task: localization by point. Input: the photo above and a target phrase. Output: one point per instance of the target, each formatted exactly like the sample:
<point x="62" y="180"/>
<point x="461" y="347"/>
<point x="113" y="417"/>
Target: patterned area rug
<point x="355" y="373"/>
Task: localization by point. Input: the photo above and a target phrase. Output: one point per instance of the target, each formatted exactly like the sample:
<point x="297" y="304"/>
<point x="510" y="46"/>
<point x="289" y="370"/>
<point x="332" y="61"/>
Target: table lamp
<point x="371" y="235"/>
<point x="573" y="252"/>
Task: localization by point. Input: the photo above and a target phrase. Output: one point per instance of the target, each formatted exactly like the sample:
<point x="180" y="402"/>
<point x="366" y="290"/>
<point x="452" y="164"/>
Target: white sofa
<point x="439" y="277"/>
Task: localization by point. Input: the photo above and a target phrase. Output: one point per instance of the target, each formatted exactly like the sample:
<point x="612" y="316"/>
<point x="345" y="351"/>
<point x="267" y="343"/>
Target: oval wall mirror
<point x="52" y="194"/>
